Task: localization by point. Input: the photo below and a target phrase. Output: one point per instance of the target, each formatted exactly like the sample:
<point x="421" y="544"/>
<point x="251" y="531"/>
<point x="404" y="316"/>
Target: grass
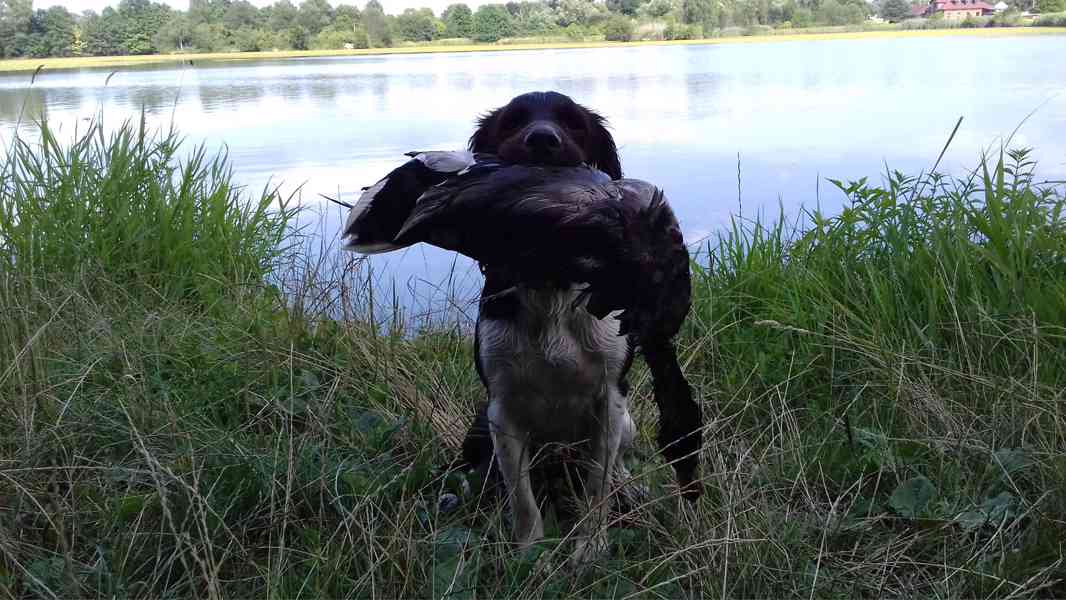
<point x="180" y="415"/>
<point x="815" y="34"/>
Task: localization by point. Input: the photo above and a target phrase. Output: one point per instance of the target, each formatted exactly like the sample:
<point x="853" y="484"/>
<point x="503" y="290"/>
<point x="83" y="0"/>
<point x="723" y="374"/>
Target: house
<point x="1000" y="6"/>
<point x="956" y="10"/>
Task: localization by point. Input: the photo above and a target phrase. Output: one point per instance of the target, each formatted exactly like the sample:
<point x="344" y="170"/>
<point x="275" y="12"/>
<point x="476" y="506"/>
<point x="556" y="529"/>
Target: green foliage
<point x="895" y="10"/>
<point x="492" y="22"/>
<point x="657" y="9"/>
<point x="314" y="16"/>
<point x="625" y="7"/>
<point x="179" y="407"/>
<point x="911" y="497"/>
<point x="579" y="12"/>
<point x="417" y="25"/>
<point x="458" y="21"/>
<point x="697" y="12"/>
<point x="681" y="31"/>
<point x="1050" y="6"/>
<point x="618" y="29"/>
<point x="51" y="34"/>
<point x="1058" y="20"/>
<point x="377" y="28"/>
<point x="832" y="12"/>
<point x="177" y="35"/>
<point x="124" y="206"/>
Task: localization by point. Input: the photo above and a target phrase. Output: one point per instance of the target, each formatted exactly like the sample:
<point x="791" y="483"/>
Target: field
<point x="191" y="407"/>
<point x="816" y="34"/>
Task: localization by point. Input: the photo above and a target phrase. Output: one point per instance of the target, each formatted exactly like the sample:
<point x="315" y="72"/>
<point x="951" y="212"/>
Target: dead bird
<point x="581" y="272"/>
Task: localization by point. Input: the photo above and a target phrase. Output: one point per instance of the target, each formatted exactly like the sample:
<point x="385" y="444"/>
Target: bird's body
<point x="547" y="226"/>
<point x="580" y="270"/>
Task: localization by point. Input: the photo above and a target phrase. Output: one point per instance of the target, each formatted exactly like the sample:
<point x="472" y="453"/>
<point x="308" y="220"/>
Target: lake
<point x="786" y="114"/>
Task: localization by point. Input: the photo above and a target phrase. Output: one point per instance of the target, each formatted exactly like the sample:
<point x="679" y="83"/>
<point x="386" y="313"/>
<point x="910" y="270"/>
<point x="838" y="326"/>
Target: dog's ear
<point x="601" y="150"/>
<point x="485" y="137"/>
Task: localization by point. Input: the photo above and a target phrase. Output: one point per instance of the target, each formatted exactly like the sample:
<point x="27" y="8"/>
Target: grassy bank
<point x="884" y="392"/>
<point x="816" y="34"/>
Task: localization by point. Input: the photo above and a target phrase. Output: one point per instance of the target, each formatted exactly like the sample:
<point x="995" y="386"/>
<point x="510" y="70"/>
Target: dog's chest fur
<point x="551" y="364"/>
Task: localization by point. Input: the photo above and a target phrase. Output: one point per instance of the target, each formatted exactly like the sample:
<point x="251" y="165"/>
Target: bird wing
<point x="382" y="208"/>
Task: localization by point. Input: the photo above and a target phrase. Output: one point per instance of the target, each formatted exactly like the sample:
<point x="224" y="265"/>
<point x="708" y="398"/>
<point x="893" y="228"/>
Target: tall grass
<point x="123" y="205"/>
<point x="884" y="389"/>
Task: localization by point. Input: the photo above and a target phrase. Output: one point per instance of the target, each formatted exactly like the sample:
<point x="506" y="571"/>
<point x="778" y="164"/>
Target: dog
<point x="553" y="372"/>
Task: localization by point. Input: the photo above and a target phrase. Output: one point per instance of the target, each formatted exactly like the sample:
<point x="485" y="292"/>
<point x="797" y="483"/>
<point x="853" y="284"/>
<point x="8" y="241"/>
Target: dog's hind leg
<point x="512" y="448"/>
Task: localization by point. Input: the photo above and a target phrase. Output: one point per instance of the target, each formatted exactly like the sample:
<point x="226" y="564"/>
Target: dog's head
<point x="547" y="128"/>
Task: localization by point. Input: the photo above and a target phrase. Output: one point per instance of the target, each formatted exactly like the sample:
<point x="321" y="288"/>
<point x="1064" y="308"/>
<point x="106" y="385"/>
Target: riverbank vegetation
<point x="809" y="34"/>
<point x="145" y="27"/>
<point x="193" y="404"/>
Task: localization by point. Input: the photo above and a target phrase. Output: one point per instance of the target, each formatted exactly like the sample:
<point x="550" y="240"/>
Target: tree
<point x="580" y="12"/>
<point x="240" y="14"/>
<point x="53" y="32"/>
<point x="458" y="21"/>
<point x="618" y="29"/>
<point x="699" y="12"/>
<point x="895" y="10"/>
<point x="282" y="16"/>
<point x="625" y="7"/>
<point x="16" y="21"/>
<point x="377" y="28"/>
<point x="492" y="22"/>
<point x="1050" y="6"/>
<point x="348" y="13"/>
<point x="208" y="11"/>
<point x="140" y="21"/>
<point x="177" y="34"/>
<point x="657" y="9"/>
<point x="314" y="15"/>
<point x="531" y="18"/>
<point x="416" y="25"/>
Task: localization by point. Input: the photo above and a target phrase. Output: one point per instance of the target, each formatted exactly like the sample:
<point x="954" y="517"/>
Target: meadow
<point x="784" y="35"/>
<point x="190" y="406"/>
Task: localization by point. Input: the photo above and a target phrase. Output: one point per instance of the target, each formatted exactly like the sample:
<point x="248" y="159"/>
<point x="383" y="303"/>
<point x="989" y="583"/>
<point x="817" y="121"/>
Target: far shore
<point x="101" y="62"/>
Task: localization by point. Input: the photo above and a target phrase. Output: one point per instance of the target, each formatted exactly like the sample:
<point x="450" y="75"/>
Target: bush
<point x="681" y="31"/>
<point x="1051" y="20"/>
<point x="575" y="32"/>
<point x="618" y="29"/>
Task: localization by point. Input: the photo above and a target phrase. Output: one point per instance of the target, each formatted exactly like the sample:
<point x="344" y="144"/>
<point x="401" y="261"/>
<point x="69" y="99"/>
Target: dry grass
<point x="884" y="418"/>
<point x="102" y="62"/>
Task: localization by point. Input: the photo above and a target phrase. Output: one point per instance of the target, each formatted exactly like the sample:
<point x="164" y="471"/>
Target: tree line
<point x="147" y="27"/>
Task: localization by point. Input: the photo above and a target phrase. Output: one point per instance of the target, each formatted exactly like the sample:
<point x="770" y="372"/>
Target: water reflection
<point x="794" y="112"/>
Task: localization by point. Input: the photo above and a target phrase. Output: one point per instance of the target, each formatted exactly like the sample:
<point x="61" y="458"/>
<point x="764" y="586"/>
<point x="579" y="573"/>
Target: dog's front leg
<point x="604" y="446"/>
<point x="511" y="446"/>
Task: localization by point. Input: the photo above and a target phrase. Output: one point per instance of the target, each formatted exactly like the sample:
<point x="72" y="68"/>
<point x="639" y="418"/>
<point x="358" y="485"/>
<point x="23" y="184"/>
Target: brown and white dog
<point x="553" y="372"/>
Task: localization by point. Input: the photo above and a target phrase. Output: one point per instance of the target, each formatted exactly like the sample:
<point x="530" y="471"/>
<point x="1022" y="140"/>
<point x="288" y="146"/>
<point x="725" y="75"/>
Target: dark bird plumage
<point x="555" y="226"/>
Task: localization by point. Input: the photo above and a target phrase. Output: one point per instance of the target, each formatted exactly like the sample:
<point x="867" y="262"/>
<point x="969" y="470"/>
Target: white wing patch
<point x="447" y="161"/>
<point x="363" y="203"/>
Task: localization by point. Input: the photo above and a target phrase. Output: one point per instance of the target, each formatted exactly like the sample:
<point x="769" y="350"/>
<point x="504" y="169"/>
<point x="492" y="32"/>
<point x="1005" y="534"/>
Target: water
<point x="788" y="113"/>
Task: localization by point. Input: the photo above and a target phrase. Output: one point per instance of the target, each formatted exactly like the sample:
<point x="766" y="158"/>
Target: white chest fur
<point x="552" y="365"/>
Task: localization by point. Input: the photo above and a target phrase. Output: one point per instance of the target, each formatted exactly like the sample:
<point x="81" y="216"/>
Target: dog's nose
<point x="543" y="140"/>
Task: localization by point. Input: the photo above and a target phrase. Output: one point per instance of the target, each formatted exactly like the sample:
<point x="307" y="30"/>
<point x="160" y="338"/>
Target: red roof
<point x="918" y="11"/>
<point x="948" y="5"/>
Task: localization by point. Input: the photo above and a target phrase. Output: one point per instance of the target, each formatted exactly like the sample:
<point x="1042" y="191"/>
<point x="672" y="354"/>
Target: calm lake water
<point x="794" y="112"/>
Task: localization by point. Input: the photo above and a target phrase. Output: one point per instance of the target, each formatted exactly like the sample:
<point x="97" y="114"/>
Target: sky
<point x="391" y="6"/>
